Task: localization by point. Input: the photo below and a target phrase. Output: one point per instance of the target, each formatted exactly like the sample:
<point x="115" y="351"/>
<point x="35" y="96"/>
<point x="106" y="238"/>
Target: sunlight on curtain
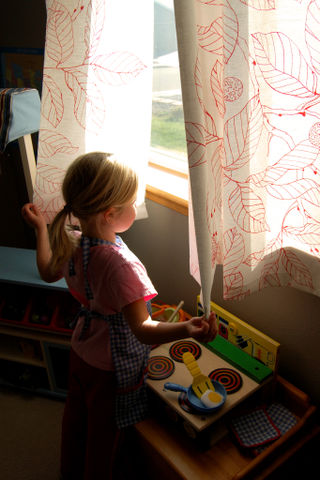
<point x="97" y="87"/>
<point x="250" y="72"/>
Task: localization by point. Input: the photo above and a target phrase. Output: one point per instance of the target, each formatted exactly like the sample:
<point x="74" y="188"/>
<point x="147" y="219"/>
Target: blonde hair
<point x="94" y="182"/>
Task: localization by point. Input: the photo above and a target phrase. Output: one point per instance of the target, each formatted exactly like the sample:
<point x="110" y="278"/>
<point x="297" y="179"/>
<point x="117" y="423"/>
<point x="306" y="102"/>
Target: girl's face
<point x="125" y="216"/>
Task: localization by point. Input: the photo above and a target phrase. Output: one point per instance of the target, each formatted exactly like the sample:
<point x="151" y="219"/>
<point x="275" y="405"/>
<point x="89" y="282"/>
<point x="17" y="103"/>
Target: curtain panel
<point x="250" y="73"/>
<point x="97" y="89"/>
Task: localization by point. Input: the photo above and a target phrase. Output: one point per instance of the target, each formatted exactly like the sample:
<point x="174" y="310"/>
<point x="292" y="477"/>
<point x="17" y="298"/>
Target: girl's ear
<point x="109" y="215"/>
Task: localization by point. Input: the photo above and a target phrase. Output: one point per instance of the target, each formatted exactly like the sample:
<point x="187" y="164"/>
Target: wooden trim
<point x="34" y="334"/>
<point x="177" y="173"/>
<point x="28" y="163"/>
<point x="167" y="199"/>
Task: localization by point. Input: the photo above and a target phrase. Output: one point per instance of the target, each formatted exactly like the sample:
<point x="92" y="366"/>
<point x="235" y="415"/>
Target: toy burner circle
<point x="160" y="367"/>
<point x="230" y="379"/>
<point x="179" y="348"/>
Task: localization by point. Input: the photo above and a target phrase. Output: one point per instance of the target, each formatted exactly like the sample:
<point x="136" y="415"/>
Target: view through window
<point x="168" y="139"/>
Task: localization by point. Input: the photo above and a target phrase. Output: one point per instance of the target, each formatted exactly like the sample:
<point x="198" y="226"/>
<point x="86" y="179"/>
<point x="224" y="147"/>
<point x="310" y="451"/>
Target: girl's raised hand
<point x="202" y="329"/>
<point x="32" y="215"/>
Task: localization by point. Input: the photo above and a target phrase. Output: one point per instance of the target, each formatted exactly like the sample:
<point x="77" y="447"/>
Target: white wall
<point x="288" y="315"/>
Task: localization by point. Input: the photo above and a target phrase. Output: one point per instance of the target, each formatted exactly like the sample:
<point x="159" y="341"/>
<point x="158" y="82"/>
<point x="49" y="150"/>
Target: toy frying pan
<point x="194" y="400"/>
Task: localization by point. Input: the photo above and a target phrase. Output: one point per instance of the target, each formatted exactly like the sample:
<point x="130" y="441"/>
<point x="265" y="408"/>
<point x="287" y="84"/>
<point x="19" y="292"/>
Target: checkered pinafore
<point x="130" y="357"/>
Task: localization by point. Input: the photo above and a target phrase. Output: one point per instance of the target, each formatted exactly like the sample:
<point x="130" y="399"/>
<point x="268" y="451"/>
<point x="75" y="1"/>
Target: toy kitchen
<point x="240" y="358"/>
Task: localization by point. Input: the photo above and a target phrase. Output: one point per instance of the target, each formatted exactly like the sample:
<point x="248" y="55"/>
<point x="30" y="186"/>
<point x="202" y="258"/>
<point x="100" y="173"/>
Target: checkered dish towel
<point x="263" y="425"/>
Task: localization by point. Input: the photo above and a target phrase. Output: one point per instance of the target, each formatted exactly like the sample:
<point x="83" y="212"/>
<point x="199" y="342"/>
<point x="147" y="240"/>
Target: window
<point x="167" y="176"/>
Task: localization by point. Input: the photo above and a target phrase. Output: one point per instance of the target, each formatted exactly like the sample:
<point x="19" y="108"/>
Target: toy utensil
<point x="171" y="318"/>
<point x="201" y="384"/>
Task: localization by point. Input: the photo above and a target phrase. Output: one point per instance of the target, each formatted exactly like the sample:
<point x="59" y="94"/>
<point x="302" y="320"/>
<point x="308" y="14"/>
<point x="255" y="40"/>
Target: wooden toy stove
<point x="241" y="358"/>
<point x="166" y="365"/>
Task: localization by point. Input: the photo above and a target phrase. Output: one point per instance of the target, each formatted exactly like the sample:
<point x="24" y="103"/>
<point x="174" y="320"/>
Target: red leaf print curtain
<point x="97" y="86"/>
<point x="250" y="72"/>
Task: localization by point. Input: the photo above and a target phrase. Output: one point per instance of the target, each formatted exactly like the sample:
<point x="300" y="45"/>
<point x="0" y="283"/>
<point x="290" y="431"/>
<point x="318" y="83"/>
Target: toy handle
<point x="191" y="364"/>
<point x="174" y="387"/>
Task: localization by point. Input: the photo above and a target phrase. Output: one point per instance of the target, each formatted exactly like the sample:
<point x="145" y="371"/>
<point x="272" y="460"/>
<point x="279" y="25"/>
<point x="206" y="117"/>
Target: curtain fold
<point x="97" y="89"/>
<point x="250" y="81"/>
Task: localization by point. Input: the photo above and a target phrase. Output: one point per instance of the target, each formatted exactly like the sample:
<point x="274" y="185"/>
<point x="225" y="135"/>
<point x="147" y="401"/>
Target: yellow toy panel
<point x="247" y="338"/>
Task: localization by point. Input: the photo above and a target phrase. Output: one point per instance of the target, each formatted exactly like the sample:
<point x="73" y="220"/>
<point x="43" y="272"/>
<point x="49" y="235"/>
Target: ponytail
<point x="62" y="242"/>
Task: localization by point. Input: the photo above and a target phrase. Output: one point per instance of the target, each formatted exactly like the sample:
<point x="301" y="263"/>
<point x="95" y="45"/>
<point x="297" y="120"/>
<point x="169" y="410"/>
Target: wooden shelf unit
<point x="34" y="350"/>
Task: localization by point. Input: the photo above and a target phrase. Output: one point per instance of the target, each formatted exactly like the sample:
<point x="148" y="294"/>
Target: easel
<point x="20" y="116"/>
<point x="28" y="163"/>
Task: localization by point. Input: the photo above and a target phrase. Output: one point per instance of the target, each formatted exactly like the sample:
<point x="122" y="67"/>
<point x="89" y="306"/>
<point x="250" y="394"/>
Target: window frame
<point x="167" y="173"/>
<point x="171" y="190"/>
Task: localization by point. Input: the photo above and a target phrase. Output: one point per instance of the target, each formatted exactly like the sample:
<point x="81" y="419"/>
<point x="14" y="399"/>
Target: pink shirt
<point x="117" y="278"/>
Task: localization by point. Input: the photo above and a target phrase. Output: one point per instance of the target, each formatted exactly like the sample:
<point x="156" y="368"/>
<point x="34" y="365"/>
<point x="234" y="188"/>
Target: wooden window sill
<point x="167" y="188"/>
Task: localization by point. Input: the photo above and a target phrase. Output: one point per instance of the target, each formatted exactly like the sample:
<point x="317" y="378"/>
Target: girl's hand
<point x="202" y="329"/>
<point x="35" y="219"/>
<point x="32" y="215"/>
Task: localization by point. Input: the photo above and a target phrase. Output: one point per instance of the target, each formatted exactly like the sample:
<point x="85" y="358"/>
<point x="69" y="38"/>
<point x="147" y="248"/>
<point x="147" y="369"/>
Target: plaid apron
<point x="130" y="357"/>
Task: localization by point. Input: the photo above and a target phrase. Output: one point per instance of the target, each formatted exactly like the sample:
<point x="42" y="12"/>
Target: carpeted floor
<point x="30" y="429"/>
<point x="29" y="436"/>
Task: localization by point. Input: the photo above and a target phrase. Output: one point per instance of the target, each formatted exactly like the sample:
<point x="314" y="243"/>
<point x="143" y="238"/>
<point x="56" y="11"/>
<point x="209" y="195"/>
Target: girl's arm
<point x="150" y="331"/>
<point x="35" y="219"/>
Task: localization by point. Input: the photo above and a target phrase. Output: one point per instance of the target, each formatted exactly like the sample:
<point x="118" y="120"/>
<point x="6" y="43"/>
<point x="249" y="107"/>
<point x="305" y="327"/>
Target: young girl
<point x="111" y="341"/>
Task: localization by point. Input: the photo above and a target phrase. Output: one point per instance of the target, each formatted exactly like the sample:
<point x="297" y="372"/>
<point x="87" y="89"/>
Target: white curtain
<point x="97" y="88"/>
<point x="250" y="72"/>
